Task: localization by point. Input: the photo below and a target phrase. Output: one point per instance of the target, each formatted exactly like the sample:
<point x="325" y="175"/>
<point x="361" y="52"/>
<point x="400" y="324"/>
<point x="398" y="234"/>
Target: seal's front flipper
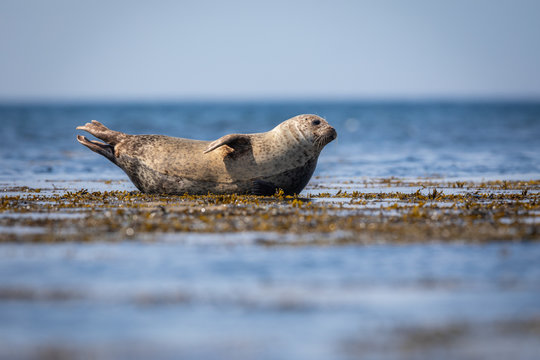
<point x="237" y="142"/>
<point x="99" y="147"/>
<point x="263" y="188"/>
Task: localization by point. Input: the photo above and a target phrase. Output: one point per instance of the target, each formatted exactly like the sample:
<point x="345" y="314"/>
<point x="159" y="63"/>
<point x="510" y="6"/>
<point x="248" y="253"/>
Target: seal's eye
<point x="316" y="122"/>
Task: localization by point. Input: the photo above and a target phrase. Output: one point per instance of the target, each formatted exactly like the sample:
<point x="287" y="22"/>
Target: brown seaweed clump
<point x="361" y="212"/>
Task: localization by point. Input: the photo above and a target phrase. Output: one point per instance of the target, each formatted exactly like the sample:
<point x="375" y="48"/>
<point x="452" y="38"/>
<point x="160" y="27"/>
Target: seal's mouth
<point x="329" y="135"/>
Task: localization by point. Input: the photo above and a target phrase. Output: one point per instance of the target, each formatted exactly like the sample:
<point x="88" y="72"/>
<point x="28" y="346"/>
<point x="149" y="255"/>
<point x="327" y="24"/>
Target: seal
<point x="259" y="164"/>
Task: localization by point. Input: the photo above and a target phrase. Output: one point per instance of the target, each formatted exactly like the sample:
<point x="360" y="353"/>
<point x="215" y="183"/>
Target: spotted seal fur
<point x="282" y="158"/>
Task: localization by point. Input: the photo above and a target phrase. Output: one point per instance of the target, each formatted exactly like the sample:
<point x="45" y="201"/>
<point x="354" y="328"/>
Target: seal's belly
<point x="149" y="180"/>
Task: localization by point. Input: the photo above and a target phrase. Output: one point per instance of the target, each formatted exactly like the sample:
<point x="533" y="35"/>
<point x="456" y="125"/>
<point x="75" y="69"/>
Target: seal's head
<point x="310" y="130"/>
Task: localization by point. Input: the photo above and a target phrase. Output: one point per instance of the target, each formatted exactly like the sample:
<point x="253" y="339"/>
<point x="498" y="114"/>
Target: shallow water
<point x="209" y="296"/>
<point x="181" y="297"/>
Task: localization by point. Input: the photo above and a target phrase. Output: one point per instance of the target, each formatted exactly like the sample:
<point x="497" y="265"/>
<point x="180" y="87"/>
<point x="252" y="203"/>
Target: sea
<point x="221" y="296"/>
<point x="375" y="139"/>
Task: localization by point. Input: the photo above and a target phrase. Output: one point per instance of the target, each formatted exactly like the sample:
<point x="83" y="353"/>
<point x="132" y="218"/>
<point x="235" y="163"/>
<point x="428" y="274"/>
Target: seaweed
<point x="431" y="211"/>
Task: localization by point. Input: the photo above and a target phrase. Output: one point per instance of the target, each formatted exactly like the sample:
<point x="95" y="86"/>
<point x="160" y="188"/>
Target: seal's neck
<point x="294" y="139"/>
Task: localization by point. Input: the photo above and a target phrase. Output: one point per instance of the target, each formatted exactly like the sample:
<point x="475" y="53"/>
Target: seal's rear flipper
<point x="99" y="147"/>
<point x="102" y="132"/>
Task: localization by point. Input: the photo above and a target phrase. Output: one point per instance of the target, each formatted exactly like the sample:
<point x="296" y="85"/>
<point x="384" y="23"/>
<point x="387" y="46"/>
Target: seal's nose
<point x="333" y="133"/>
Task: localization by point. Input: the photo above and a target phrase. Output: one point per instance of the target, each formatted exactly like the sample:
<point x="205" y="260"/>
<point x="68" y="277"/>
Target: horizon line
<point x="268" y="99"/>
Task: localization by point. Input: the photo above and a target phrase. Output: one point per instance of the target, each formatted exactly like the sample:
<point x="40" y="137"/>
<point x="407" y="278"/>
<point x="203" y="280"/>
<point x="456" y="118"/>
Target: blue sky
<point x="186" y="50"/>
